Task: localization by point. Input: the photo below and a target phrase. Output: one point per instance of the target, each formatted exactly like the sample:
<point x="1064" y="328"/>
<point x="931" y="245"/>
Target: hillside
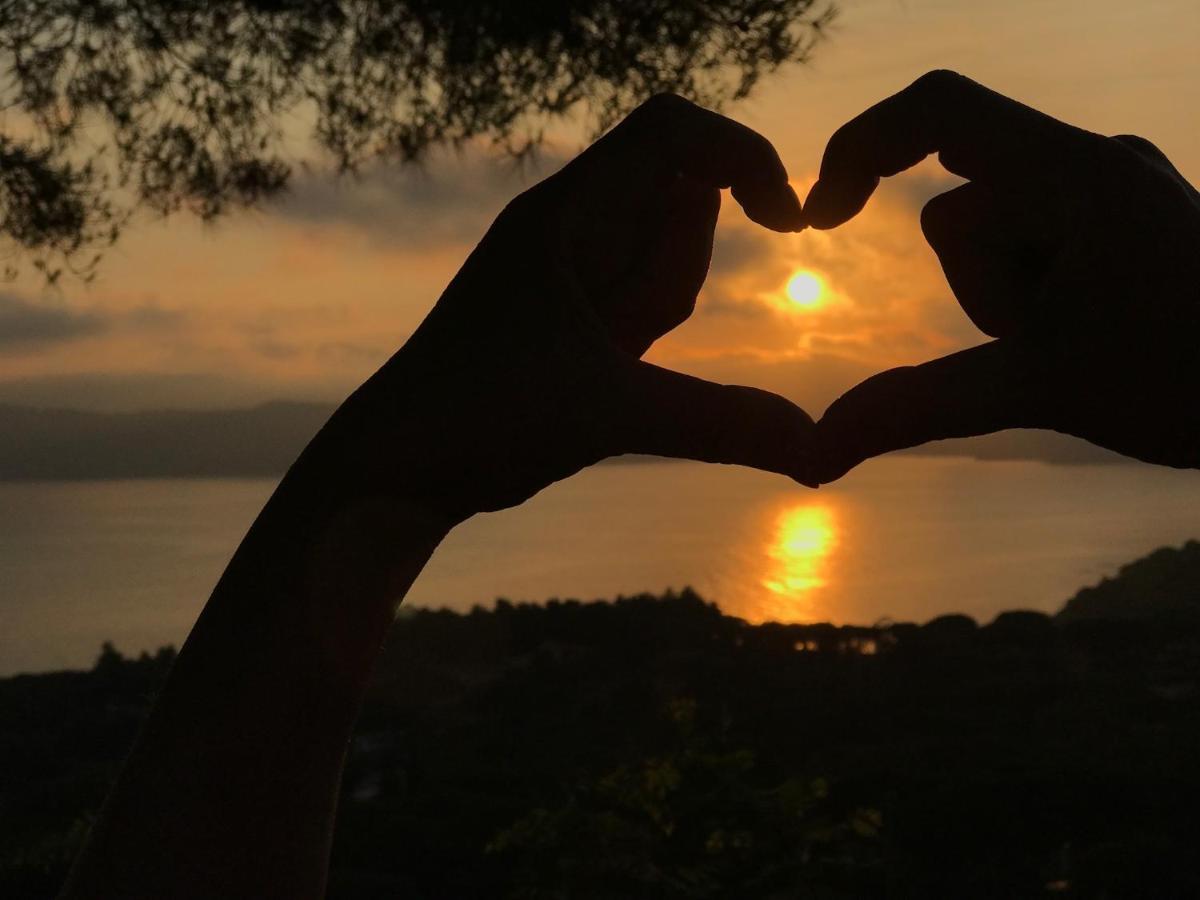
<point x="1163" y="585"/>
<point x="655" y="748"/>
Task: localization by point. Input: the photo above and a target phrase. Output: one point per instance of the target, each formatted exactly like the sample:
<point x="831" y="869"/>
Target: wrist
<point x="378" y="459"/>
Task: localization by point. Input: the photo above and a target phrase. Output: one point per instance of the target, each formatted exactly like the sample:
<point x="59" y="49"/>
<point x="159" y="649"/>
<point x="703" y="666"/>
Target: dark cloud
<point x="26" y="325"/>
<point x="736" y="249"/>
<point x="717" y="303"/>
<point x="812" y="381"/>
<point x="272" y="339"/>
<point x="57" y="443"/>
<point x="449" y="200"/>
<point x="739" y="251"/>
<point x="350" y="351"/>
<point x="149" y="316"/>
<point x="131" y="391"/>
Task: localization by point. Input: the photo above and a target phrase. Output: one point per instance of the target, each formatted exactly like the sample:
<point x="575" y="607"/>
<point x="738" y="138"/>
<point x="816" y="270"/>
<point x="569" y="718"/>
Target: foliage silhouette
<point x="200" y="105"/>
<point x="699" y="821"/>
<point x="954" y="761"/>
<point x="1166" y="583"/>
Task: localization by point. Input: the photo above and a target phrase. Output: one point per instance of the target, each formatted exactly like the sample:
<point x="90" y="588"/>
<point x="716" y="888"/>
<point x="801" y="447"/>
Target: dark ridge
<point x="1165" y="584"/>
<point x="62" y="444"/>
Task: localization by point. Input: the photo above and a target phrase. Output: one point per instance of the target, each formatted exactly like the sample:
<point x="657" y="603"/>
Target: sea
<point x="904" y="538"/>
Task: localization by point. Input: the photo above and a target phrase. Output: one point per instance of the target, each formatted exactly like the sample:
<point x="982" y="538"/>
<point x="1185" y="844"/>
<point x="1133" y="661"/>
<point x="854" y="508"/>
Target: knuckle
<point x="938" y="81"/>
<point x="1139" y="144"/>
<point x="661" y="106"/>
<point x="762" y="148"/>
<point x="528" y="206"/>
<point x="1146" y="152"/>
<point x="1138" y="161"/>
<point x="529" y="219"/>
<point x="514" y="217"/>
<point x="665" y="101"/>
<point x="516" y="208"/>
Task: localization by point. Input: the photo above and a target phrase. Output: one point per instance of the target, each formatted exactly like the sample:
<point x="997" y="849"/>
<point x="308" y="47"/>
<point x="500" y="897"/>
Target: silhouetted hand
<point x="1079" y="253"/>
<point x="528" y="368"/>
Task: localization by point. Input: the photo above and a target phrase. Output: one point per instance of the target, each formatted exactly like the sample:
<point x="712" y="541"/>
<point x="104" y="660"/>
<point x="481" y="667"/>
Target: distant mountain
<point x="63" y="444"/>
<point x="1023" y="443"/>
<point x="1164" y="584"/>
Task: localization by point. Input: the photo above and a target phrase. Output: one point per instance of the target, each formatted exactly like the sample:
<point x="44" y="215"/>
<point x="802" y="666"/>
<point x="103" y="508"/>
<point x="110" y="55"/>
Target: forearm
<point x="527" y="370"/>
<point x="232" y="786"/>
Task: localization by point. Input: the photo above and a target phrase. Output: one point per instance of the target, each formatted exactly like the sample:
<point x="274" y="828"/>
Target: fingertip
<point x="774" y="206"/>
<point x="834" y="472"/>
<point x="977" y="391"/>
<point x="828" y="462"/>
<point x="803" y="455"/>
<point x="829" y="205"/>
<point x="799" y="221"/>
<point x="819" y="207"/>
<point x="791" y="206"/>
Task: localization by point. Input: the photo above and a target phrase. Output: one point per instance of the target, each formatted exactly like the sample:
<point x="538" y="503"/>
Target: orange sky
<point x="305" y="299"/>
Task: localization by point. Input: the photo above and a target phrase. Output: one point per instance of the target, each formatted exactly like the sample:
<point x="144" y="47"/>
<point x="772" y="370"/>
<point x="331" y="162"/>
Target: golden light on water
<point x="804" y="537"/>
<point x="805" y="289"/>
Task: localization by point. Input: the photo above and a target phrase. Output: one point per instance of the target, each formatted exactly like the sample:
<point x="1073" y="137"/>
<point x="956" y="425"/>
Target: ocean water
<point x="905" y="538"/>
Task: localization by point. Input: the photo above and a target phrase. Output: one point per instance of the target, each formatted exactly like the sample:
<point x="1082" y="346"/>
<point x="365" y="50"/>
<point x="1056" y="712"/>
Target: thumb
<point x="977" y="391"/>
<point x="671" y="414"/>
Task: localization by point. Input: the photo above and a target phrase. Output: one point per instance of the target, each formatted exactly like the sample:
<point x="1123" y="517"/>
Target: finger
<point x="995" y="255"/>
<point x="667" y="135"/>
<point x="1150" y="152"/>
<point x="660" y="293"/>
<point x="978" y="391"/>
<point x="978" y="134"/>
<point x="670" y="414"/>
<point x="1145" y="148"/>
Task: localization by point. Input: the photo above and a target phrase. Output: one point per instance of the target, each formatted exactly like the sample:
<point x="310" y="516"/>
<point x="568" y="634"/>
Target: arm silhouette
<point x="527" y="370"/>
<point x="1078" y="253"/>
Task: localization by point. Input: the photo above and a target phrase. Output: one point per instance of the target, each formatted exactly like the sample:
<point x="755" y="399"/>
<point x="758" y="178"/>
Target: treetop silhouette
<point x="167" y="105"/>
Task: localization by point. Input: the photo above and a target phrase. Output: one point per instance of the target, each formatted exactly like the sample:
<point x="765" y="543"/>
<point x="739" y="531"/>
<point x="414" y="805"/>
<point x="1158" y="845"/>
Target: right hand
<point x="1079" y="253"/>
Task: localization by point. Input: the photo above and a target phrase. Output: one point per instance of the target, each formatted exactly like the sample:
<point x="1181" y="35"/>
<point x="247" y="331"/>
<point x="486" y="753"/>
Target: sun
<point x="805" y="289"/>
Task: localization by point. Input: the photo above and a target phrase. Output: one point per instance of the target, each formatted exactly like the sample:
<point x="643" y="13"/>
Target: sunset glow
<point x="305" y="298"/>
<point x="804" y="537"/>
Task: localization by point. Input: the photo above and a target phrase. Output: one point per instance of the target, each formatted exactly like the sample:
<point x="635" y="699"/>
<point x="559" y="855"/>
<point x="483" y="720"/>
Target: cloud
<point x="885" y="302"/>
<point x="746" y="263"/>
<point x="132" y="391"/>
<point x="25" y="325"/>
<point x="736" y="249"/>
<point x="813" y="381"/>
<point x="450" y="200"/>
<point x="717" y="303"/>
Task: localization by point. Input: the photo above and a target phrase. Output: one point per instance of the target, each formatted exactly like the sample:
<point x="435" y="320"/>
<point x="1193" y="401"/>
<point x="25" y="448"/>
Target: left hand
<point x="528" y="369"/>
<point x="1078" y="253"/>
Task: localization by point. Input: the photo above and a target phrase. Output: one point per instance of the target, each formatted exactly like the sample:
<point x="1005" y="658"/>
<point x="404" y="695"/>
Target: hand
<point x="528" y="368"/>
<point x="1079" y="253"/>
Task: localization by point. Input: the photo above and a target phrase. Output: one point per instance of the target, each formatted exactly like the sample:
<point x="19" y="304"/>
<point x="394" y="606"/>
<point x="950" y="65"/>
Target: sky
<point x="305" y="298"/>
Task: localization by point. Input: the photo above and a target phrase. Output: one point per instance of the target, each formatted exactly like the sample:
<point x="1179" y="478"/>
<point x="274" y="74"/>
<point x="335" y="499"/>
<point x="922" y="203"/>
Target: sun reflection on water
<point x="803" y="539"/>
